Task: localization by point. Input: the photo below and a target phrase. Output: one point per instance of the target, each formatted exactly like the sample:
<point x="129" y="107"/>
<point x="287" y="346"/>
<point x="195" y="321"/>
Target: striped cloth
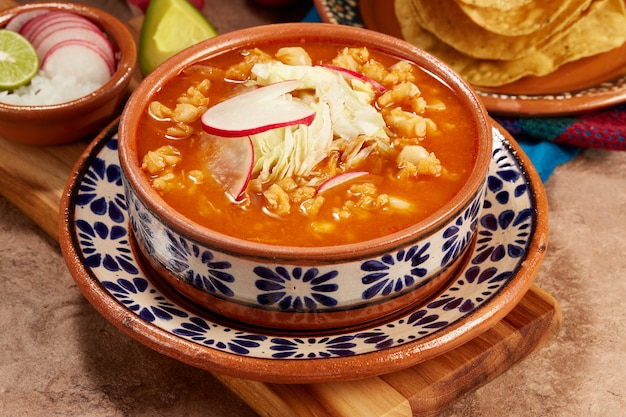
<point x="605" y="129"/>
<point x="551" y="141"/>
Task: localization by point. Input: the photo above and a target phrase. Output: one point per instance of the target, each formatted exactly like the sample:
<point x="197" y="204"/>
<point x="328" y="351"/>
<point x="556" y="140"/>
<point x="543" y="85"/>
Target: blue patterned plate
<point x="586" y="84"/>
<point x="511" y="241"/>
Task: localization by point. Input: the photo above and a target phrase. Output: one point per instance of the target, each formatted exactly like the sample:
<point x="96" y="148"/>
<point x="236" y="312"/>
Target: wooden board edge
<point x="429" y="387"/>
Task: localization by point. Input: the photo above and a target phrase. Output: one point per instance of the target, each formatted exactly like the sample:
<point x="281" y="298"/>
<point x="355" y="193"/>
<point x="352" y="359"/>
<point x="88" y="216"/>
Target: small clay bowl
<point x="72" y="120"/>
<point x="182" y="252"/>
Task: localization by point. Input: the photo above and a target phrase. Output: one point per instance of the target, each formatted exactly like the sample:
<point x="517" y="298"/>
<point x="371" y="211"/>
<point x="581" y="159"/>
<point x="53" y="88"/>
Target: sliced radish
<point x="230" y="162"/>
<point x="40" y="22"/>
<point x="68" y="44"/>
<point x="79" y="59"/>
<point x="347" y="73"/>
<point x="340" y="180"/>
<point x="17" y="21"/>
<point x="33" y="29"/>
<point x="35" y="23"/>
<point x="257" y="111"/>
<point x="64" y="33"/>
<point x="46" y="30"/>
<point x="31" y="24"/>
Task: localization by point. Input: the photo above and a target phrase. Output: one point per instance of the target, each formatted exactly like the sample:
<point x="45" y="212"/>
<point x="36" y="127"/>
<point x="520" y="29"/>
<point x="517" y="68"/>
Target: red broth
<point x="192" y="191"/>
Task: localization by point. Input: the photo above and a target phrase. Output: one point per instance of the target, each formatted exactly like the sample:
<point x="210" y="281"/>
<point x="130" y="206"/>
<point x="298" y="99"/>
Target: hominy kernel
<point x="186" y="113"/>
<point x="159" y="110"/>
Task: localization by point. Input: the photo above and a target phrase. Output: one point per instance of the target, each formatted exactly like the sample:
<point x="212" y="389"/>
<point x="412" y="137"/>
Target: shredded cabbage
<point x="342" y="113"/>
<point x="292" y="150"/>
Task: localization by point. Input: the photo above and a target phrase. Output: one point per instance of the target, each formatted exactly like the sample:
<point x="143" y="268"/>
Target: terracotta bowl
<point x="180" y="251"/>
<point x="69" y="121"/>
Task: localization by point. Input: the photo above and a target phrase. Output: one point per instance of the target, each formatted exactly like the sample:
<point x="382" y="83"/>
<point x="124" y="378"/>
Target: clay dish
<point x="178" y="250"/>
<point x="70" y="121"/>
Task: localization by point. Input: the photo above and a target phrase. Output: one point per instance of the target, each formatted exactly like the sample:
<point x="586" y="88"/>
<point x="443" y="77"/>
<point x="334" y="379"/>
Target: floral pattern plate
<point x="586" y="84"/>
<point x="511" y="241"/>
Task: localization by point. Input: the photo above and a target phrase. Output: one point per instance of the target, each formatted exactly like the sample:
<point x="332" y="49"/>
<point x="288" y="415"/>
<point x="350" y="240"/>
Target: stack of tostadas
<point x="495" y="42"/>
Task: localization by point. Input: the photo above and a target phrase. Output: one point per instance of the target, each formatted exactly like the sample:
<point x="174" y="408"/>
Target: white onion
<point x="44" y="90"/>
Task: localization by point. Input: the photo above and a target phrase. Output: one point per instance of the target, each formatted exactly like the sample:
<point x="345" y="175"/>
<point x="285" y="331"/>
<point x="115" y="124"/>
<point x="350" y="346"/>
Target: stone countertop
<point x="58" y="356"/>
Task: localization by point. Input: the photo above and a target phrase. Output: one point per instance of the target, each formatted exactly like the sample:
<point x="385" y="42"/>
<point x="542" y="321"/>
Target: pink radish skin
<point x="257" y="111"/>
<point x="66" y="57"/>
<point x="17" y="21"/>
<point x="340" y="180"/>
<point x="40" y="22"/>
<point x="43" y="32"/>
<point x="68" y="44"/>
<point x="43" y="22"/>
<point x="31" y="25"/>
<point x="49" y="29"/>
<point x="77" y="33"/>
<point x="230" y="162"/>
<point x="354" y="74"/>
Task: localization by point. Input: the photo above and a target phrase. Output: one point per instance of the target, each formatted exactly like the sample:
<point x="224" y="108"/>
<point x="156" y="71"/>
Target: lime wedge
<point x="169" y="27"/>
<point x="18" y="60"/>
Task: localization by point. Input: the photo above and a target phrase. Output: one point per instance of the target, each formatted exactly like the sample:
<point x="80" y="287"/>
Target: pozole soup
<point x="306" y="144"/>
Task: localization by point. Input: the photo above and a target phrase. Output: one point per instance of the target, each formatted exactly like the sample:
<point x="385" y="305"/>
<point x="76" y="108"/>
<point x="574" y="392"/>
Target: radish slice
<point x="339" y="180"/>
<point x="354" y="74"/>
<point x="17" y="21"/>
<point x="42" y="33"/>
<point x="230" y="162"/>
<point x="58" y="34"/>
<point x="68" y="44"/>
<point x="40" y="22"/>
<point x="49" y="29"/>
<point x="66" y="57"/>
<point x="34" y="23"/>
<point x="257" y="111"/>
<point x="33" y="29"/>
<point x="29" y="26"/>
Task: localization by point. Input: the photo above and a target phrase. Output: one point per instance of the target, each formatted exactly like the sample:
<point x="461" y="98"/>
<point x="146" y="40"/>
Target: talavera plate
<point x="511" y="241"/>
<point x="583" y="85"/>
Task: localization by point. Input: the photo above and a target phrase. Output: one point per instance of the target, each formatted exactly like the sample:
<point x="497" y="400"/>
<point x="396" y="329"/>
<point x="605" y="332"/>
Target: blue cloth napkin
<point x="545" y="154"/>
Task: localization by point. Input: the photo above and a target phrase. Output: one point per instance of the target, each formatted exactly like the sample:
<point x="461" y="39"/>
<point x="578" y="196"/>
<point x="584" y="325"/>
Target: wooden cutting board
<point x="33" y="178"/>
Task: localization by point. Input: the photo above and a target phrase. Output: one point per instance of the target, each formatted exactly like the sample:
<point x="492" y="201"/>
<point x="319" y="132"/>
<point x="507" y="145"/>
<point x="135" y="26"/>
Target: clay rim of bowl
<point x="126" y="64"/>
<point x="299" y="33"/>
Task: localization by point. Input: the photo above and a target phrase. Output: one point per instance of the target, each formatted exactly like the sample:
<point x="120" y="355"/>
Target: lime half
<point x="169" y="27"/>
<point x="18" y="60"/>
